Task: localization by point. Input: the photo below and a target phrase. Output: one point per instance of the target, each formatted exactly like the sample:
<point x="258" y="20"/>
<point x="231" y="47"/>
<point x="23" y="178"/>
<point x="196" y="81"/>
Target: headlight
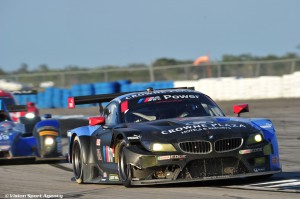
<point x="30" y="115"/>
<point x="258" y="138"/>
<point x="49" y="141"/>
<point x="254" y="138"/>
<point x="159" y="147"/>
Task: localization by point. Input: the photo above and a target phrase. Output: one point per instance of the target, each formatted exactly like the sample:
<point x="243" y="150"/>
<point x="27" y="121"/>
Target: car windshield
<point x="8" y="101"/>
<point x="172" y="109"/>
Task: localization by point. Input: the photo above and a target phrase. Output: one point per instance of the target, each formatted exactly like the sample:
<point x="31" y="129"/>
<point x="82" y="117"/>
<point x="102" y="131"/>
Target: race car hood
<point x="195" y="128"/>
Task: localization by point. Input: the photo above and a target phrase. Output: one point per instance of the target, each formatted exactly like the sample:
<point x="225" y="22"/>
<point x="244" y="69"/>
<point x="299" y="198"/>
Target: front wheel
<point x="77" y="160"/>
<point x="123" y="166"/>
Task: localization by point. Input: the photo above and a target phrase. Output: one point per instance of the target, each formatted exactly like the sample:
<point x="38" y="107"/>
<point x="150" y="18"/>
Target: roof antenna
<point x="150" y="89"/>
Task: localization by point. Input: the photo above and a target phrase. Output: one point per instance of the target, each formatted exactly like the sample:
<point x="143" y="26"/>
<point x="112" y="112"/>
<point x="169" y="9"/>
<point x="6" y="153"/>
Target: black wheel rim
<point x="77" y="160"/>
<point x="123" y="166"/>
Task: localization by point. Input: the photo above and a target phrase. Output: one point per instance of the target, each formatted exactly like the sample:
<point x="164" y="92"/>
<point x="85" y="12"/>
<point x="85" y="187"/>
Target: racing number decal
<point x="4" y="137"/>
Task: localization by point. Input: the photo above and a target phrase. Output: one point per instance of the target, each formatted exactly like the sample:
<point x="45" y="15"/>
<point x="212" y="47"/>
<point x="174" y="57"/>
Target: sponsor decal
<point x="267" y="125"/>
<point x="171" y="157"/>
<point x="180" y="97"/>
<point x="58" y="144"/>
<point x="155" y="93"/>
<point x="259" y="170"/>
<point x="197" y="122"/>
<point x="166" y="97"/>
<point x="134" y="137"/>
<point x="108" y="154"/>
<point x="180" y="157"/>
<point x="113" y="177"/>
<point x="247" y="151"/>
<point x="164" y="157"/>
<point x="4" y="148"/>
<point x="99" y="155"/>
<point x="98" y="142"/>
<point x="202" y="127"/>
<point x="149" y="99"/>
<point x="104" y="175"/>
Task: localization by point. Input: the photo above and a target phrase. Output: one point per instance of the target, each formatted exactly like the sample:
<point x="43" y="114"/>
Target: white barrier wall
<point x="231" y="88"/>
<point x="11" y="86"/>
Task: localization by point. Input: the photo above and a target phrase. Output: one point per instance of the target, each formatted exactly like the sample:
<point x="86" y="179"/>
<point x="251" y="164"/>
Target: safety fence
<point x="54" y="97"/>
<point x="245" y="69"/>
<point x="225" y="88"/>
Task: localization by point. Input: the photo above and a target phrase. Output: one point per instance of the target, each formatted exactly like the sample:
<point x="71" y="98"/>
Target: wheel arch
<point x="85" y="148"/>
<point x="123" y="134"/>
<point x="71" y="146"/>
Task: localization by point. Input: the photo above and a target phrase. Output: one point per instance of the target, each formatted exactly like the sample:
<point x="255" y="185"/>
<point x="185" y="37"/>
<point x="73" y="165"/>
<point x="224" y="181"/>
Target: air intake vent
<point x="197" y="147"/>
<point x="229" y="144"/>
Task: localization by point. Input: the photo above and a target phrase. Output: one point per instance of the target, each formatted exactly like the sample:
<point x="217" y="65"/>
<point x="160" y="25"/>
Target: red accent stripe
<point x="71" y="103"/>
<point x="106" y="150"/>
<point x="147" y="99"/>
<point x="124" y="106"/>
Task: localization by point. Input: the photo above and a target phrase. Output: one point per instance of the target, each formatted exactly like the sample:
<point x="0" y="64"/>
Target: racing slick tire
<point x="77" y="160"/>
<point x="123" y="166"/>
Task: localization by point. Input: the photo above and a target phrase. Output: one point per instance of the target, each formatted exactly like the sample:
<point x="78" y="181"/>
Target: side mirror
<point x="96" y="121"/>
<point x="30" y="104"/>
<point x="241" y="108"/>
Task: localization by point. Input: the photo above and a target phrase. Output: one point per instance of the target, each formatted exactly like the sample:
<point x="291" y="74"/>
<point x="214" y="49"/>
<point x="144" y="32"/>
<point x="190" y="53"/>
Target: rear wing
<point x="91" y="99"/>
<point x="12" y="108"/>
<point x="17" y="108"/>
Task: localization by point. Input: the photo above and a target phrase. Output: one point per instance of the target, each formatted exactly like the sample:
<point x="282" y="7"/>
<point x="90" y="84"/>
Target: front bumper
<point x="171" y="181"/>
<point x="150" y="168"/>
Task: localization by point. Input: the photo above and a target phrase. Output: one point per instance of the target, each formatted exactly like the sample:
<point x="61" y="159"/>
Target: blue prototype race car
<point x="169" y="136"/>
<point x="32" y="140"/>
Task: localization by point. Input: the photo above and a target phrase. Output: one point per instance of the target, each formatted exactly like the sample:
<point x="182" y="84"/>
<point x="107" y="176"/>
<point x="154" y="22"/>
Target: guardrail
<point x="244" y="69"/>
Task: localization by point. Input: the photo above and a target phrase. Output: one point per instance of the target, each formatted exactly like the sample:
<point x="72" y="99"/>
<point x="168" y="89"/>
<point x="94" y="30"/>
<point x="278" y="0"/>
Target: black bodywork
<point x="134" y="144"/>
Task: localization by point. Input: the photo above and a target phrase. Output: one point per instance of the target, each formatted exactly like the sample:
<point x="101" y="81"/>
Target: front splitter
<point x="172" y="181"/>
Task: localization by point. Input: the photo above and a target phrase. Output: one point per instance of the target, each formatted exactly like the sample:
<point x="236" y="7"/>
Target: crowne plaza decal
<point x="202" y="127"/>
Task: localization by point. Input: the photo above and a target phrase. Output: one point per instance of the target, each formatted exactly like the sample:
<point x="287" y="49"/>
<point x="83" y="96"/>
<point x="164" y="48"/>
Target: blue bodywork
<point x="16" y="142"/>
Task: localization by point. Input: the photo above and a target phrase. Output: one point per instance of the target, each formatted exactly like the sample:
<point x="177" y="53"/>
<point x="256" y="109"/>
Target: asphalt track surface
<point x="54" y="180"/>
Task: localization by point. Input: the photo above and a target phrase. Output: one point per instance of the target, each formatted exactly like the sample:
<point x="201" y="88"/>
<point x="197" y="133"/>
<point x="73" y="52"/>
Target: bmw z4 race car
<point x="169" y="136"/>
<point x="32" y="140"/>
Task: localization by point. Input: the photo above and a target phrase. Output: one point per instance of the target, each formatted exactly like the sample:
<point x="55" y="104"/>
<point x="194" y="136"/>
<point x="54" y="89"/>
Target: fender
<point x="84" y="134"/>
<point x="266" y="126"/>
<point x="127" y="134"/>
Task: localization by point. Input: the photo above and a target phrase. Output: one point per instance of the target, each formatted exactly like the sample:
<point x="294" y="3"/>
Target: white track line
<point x="284" y="185"/>
<point x="275" y="182"/>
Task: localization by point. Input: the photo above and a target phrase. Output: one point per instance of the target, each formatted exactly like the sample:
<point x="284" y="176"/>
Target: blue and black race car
<point x="169" y="136"/>
<point x="33" y="139"/>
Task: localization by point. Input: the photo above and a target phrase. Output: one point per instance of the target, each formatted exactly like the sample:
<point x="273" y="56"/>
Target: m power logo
<point x="149" y="99"/>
